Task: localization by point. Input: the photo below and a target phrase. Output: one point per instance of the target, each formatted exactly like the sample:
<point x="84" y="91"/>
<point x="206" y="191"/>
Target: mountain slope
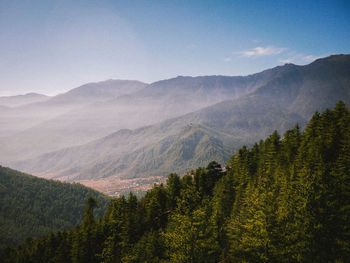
<point x="95" y="91"/>
<point x="84" y="114"/>
<point x="317" y="86"/>
<point x="42" y="124"/>
<point x="178" y="144"/>
<point x="159" y="149"/>
<point x="31" y="206"/>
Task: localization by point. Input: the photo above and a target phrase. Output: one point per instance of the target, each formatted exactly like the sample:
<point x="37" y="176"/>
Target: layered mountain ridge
<point x="215" y="116"/>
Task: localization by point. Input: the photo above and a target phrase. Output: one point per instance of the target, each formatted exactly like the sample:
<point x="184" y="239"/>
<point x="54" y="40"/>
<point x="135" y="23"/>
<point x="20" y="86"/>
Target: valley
<point x="117" y="136"/>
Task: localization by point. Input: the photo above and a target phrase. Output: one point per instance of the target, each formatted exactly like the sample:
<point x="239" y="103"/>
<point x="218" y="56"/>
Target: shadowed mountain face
<point x="317" y="86"/>
<point x="251" y="108"/>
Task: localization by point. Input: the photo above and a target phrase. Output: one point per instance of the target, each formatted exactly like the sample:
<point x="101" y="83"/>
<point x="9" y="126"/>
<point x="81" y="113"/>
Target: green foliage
<point x="283" y="200"/>
<point x="30" y="206"/>
<point x="294" y="207"/>
<point x="189" y="237"/>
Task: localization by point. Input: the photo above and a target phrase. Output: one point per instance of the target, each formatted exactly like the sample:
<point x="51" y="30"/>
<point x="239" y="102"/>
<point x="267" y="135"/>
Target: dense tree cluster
<point x="31" y="206"/>
<point x="283" y="200"/>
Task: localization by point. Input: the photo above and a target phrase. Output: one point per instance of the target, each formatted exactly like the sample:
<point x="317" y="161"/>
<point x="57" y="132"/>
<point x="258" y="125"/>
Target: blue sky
<point x="53" y="46"/>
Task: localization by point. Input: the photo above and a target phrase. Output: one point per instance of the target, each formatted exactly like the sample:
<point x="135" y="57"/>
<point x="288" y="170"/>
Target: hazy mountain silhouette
<point x="97" y="109"/>
<point x="211" y="133"/>
<point x="20" y="100"/>
<point x="28" y="129"/>
<point x="275" y="99"/>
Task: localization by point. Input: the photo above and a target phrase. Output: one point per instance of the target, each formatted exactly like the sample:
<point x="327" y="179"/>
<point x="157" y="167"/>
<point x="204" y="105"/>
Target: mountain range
<point x="105" y="139"/>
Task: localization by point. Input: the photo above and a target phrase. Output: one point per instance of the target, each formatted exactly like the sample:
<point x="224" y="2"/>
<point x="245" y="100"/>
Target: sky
<point x="51" y="46"/>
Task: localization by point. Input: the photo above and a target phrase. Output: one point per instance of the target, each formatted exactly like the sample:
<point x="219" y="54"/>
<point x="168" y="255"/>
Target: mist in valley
<point x="95" y="110"/>
<point x="128" y="129"/>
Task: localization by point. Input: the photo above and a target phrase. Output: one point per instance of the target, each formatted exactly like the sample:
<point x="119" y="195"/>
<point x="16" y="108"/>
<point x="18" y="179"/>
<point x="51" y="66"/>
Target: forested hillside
<point x="31" y="206"/>
<point x="286" y="199"/>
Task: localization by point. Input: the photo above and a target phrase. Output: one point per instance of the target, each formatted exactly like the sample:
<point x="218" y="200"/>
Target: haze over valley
<point x="115" y="135"/>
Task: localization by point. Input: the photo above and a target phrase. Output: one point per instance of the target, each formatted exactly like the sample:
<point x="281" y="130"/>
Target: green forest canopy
<point x="282" y="200"/>
<point x="31" y="206"/>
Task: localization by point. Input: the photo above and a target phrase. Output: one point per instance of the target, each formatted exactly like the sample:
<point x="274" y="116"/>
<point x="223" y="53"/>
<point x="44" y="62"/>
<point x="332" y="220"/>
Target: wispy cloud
<point x="309" y="58"/>
<point x="299" y="58"/>
<point x="261" y="51"/>
<point x="281" y="54"/>
<point x="286" y="60"/>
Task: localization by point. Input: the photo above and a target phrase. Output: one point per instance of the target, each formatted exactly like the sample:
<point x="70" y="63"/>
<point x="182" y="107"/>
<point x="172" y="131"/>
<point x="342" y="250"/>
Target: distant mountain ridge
<point x="96" y="91"/>
<point x="275" y="99"/>
<point x="70" y="119"/>
<point x="20" y="100"/>
<point x="316" y="86"/>
<point x="27" y="123"/>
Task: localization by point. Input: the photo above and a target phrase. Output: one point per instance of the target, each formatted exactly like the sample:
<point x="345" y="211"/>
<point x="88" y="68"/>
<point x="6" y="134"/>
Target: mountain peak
<point x="107" y="89"/>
